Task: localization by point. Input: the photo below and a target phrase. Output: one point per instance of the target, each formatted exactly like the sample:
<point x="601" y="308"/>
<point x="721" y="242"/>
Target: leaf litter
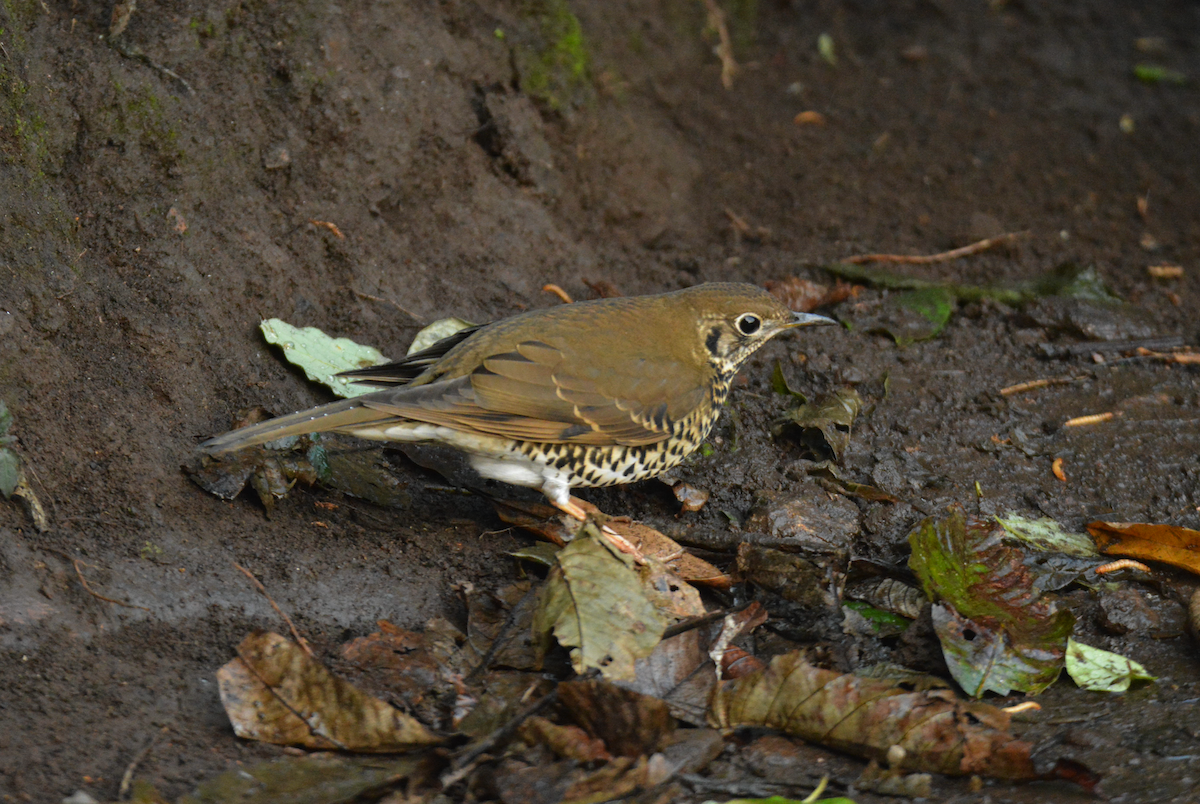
<point x="623" y="629"/>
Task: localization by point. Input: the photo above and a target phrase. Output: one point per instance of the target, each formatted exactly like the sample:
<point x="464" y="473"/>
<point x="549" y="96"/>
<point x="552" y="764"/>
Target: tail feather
<point x="334" y="416"/>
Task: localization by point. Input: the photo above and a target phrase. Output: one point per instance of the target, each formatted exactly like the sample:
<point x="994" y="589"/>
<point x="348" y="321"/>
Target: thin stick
<point x="464" y="764"/>
<point x="301" y="641"/>
<point x="729" y="65"/>
<point x="95" y="594"/>
<point x="408" y="313"/>
<point x="953" y="254"/>
<point x="127" y="779"/>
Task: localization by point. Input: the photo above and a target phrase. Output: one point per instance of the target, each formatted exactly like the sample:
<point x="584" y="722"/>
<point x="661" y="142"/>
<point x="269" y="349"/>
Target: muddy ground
<point x="148" y="223"/>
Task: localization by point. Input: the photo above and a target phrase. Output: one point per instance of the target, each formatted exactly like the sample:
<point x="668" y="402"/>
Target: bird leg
<point x="573" y="510"/>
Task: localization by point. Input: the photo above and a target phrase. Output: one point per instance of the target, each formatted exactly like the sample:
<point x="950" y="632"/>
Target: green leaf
<point x="6" y="418"/>
<point x="594" y="603"/>
<point x="10" y="472"/>
<point x="996" y="630"/>
<point x="827" y="50"/>
<point x="321" y="356"/>
<point x="543" y="553"/>
<point x="1046" y="534"/>
<point x="933" y="305"/>
<point x="439" y="330"/>
<point x="1066" y="280"/>
<point x="779" y="384"/>
<point x="1156" y="74"/>
<point x="884" y="622"/>
<point x="1102" y="671"/>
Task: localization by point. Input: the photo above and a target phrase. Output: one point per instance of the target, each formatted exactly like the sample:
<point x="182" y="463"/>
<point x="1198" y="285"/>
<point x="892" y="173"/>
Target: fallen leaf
<point x="323" y="357"/>
<point x="1169" y="544"/>
<point x="557" y="527"/>
<point x="825" y="423"/>
<point x="594" y="604"/>
<point x="274" y="692"/>
<point x="630" y="724"/>
<point x="866" y="717"/>
<point x="1101" y="670"/>
<point x="315" y="779"/>
<point x="996" y="630"/>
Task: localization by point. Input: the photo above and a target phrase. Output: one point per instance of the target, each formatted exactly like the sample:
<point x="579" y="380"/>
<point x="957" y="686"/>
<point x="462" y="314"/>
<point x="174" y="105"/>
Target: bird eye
<point x="748" y="323"/>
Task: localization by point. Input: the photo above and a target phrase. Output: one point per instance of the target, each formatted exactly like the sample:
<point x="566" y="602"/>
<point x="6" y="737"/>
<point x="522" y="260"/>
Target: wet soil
<point x="147" y="225"/>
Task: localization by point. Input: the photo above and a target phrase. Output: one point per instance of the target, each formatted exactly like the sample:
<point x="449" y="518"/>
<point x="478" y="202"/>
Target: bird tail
<point x="345" y="413"/>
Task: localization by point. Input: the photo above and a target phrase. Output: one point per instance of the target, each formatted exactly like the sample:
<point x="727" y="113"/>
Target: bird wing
<point x="529" y="394"/>
<point x="406" y="369"/>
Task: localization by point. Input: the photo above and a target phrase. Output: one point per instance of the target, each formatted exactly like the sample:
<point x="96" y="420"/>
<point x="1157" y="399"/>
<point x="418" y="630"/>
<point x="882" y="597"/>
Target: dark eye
<point x="748" y="323"/>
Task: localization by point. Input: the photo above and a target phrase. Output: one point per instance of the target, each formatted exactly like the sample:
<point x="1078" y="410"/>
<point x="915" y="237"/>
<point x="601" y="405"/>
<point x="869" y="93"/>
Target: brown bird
<point x="583" y="395"/>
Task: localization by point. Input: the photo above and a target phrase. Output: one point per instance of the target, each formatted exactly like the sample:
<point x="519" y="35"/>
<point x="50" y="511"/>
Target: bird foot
<point x="573" y="510"/>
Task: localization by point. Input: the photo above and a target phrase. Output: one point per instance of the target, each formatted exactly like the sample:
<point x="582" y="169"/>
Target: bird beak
<point x="809" y="320"/>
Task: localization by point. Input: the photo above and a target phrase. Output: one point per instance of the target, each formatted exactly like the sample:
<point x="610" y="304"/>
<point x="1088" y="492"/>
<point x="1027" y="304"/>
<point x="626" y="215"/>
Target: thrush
<point x="589" y="394"/>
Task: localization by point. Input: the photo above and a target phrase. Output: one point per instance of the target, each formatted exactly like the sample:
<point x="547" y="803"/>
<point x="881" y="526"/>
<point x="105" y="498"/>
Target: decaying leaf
<point x="321" y="356"/>
<point x="804" y="295"/>
<point x="567" y="742"/>
<point x="315" y="779"/>
<point x="594" y="604"/>
<point x="983" y="657"/>
<point x="825" y="424"/>
<point x="990" y="597"/>
<point x="911" y="316"/>
<point x="1065" y="280"/>
<point x="866" y="717"/>
<point x="276" y="693"/>
<point x="629" y="723"/>
<point x="1101" y="670"/>
<point x="550" y="523"/>
<point x="1046" y="534"/>
<point x="1179" y="547"/>
<point x="271" y="473"/>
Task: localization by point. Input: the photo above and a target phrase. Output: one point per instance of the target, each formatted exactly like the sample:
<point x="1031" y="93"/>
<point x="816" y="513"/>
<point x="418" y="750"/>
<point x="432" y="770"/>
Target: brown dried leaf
<point x="629" y="723"/>
<point x="276" y="693"/>
<point x="804" y="295"/>
<point x="548" y="522"/>
<point x="866" y="717"/>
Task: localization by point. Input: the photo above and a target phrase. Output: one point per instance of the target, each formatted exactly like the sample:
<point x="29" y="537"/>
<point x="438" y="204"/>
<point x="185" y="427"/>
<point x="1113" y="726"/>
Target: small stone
<point x="1126" y="610"/>
<point x="277" y="157"/>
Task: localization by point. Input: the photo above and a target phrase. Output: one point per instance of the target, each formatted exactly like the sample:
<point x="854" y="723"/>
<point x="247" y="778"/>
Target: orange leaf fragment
<point x="1168" y="544"/>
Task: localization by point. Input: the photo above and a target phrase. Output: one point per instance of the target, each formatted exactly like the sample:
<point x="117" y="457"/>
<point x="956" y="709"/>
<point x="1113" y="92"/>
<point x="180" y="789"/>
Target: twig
<point x="408" y="313"/>
<point x="510" y="622"/>
<point x="559" y="292"/>
<point x="301" y="641"/>
<point x="465" y="764"/>
<point x="78" y="571"/>
<point x="137" y="55"/>
<point x="953" y="254"/>
<point x="127" y="778"/>
<point x="729" y="65"/>
<point x="1103" y="347"/>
